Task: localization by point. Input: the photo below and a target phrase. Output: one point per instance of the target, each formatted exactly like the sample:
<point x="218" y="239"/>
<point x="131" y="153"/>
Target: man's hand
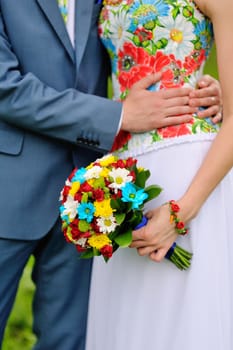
<point x="208" y="95"/>
<point x="145" y="110"/>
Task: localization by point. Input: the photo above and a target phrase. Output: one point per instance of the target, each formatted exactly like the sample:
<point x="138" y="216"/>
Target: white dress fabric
<point x="138" y="304"/>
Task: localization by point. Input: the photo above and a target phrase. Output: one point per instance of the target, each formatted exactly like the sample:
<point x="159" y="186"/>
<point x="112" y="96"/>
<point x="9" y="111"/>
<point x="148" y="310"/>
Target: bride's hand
<point x="208" y="95"/>
<point x="157" y="236"/>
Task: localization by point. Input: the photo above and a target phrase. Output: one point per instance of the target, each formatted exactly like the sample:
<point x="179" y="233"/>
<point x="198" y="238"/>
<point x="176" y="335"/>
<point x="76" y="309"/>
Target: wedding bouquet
<point x="103" y="203"/>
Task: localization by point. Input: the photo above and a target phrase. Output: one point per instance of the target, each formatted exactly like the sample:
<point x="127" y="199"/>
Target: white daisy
<point x="81" y="241"/>
<point x="93" y="173"/>
<point x="120" y="23"/>
<point x="119" y="177"/>
<point x="193" y="79"/>
<point x="107" y="225"/>
<point x="67" y="183"/>
<point x="179" y="33"/>
<point x="70" y="207"/>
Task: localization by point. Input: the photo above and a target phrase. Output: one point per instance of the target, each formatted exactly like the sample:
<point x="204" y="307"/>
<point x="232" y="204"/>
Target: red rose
<point x="116" y="195"/>
<point x="119" y="164"/>
<point x="85" y="187"/>
<point x="132" y="173"/>
<point x="78" y="196"/>
<point x="107" y="251"/>
<point x="180" y="225"/>
<point x="174" y="207"/>
<point x="72" y="174"/>
<point x="98" y="195"/>
<point x="130" y="162"/>
<point x="65" y="193"/>
<point x="79" y="248"/>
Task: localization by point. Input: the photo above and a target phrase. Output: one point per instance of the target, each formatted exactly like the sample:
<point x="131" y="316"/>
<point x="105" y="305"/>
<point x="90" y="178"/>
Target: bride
<point x="138" y="299"/>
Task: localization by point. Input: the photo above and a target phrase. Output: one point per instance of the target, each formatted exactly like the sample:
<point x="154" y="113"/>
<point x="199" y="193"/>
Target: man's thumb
<point x="149" y="80"/>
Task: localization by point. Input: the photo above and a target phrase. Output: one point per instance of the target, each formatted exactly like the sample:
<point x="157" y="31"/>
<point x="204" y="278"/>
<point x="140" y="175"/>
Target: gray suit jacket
<point x="51" y="115"/>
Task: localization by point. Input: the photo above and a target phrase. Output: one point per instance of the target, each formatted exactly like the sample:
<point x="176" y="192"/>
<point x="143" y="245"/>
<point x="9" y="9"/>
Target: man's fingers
<point x="176" y="92"/>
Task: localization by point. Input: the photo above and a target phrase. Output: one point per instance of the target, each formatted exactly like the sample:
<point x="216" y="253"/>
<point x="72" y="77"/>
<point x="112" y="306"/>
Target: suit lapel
<point x="51" y="11"/>
<point x="83" y="15"/>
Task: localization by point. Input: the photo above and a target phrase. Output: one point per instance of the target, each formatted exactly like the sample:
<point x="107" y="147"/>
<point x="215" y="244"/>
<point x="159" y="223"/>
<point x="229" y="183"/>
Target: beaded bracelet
<point x="179" y="225"/>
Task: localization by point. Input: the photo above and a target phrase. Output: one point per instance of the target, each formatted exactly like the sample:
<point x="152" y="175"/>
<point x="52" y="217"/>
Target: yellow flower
<point x="90" y="166"/>
<point x="103" y="208"/>
<point x="74" y="188"/>
<point x="107" y="160"/>
<point x="104" y="172"/>
<point x="91" y="182"/>
<point x="99" y="241"/>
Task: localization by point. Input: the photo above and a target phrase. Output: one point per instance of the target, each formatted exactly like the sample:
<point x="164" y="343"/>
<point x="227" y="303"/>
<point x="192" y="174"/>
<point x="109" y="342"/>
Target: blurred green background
<point x="18" y="335"/>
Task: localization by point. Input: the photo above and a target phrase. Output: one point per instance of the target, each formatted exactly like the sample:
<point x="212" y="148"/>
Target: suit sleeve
<point x="70" y="115"/>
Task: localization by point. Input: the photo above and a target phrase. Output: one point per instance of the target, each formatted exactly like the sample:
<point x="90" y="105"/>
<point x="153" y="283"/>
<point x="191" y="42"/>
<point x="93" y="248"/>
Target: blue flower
<point x="149" y="11"/>
<point x="111" y="48"/>
<point x="64" y="217"/>
<point x="86" y="211"/>
<point x="130" y="193"/>
<point x="204" y="31"/>
<point x="79" y="175"/>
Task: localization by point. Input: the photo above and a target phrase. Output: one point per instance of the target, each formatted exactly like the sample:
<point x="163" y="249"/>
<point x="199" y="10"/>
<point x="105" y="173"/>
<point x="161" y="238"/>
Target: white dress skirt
<point x="138" y="304"/>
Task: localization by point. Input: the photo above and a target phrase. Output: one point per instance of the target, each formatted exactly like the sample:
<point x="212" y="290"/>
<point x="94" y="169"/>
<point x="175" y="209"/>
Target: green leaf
<point x="83" y="226"/>
<point x="116" y="204"/>
<point x="119" y="218"/>
<point x="141" y="177"/>
<point x="124" y="239"/>
<point x="87" y="254"/>
<point x="152" y="191"/>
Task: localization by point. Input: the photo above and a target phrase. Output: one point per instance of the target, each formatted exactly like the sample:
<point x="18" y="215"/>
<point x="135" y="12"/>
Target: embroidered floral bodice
<point x="148" y="36"/>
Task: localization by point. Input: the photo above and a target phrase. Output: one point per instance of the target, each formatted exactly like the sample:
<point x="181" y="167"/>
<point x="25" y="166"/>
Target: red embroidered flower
<point x="120" y="140"/>
<point x="133" y="64"/>
<point x="113" y="2"/>
<point x="143" y="34"/>
<point x="194" y="61"/>
<point x="174" y="130"/>
<point x="170" y="68"/>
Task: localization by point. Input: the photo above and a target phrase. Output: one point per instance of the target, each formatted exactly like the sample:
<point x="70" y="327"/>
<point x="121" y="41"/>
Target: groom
<point x="53" y="116"/>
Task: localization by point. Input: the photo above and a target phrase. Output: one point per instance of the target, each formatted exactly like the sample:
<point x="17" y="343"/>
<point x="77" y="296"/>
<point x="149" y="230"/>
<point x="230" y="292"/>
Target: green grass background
<point x="18" y="335"/>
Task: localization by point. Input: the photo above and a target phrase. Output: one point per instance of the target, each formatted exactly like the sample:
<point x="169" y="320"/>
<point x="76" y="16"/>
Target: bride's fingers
<point x="158" y="255"/>
<point x="145" y="251"/>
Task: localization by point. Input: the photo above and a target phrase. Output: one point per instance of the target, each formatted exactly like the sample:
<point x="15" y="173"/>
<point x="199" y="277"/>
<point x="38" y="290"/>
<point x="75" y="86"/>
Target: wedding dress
<point x="135" y="303"/>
